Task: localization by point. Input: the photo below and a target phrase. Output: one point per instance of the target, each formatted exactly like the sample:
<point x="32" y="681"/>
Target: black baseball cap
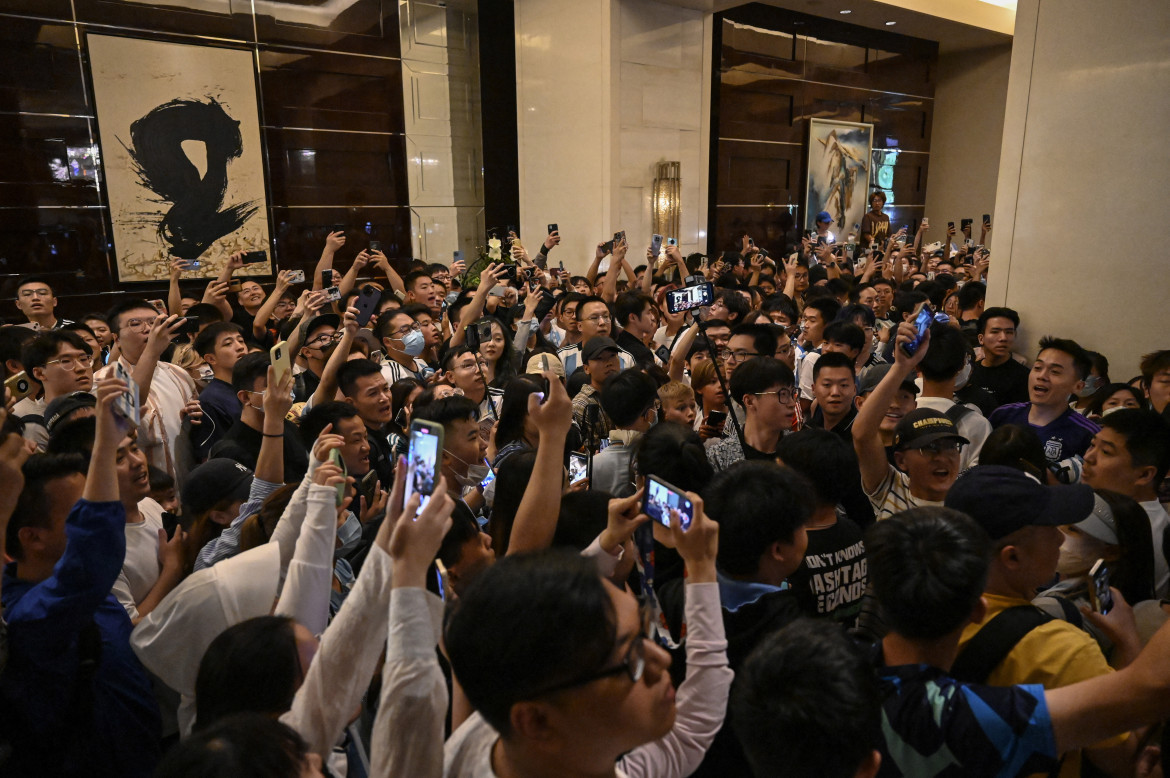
<point x="212" y="482"/>
<point x="596" y="346"/>
<point x="1004" y="499"/>
<point x="921" y="427"/>
<point x="60" y="407"/>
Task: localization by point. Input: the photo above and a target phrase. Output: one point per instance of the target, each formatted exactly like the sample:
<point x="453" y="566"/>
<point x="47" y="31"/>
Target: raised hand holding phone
<point x="326" y="442"/>
<point x="698" y="544"/>
<point x="625" y="516"/>
<point x="414" y="542"/>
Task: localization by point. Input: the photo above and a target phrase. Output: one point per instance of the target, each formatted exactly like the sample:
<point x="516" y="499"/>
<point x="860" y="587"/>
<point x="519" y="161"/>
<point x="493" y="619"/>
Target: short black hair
<point x="1018" y="446"/>
<point x="159" y="479"/>
<point x="759" y="374"/>
<point x="252" y="666"/>
<point x="997" y="313"/>
<point x="320" y="416"/>
<point x="244" y="744"/>
<point x="248" y="370"/>
<point x="949" y="351"/>
<point x="971" y="294"/>
<point x="206" y="313"/>
<point x="927" y="567"/>
<point x="75" y="436"/>
<point x="630" y="304"/>
<point x="205" y="341"/>
<point x="833" y="359"/>
<point x="114" y="315"/>
<point x="763" y="338"/>
<point x="453" y="353"/>
<point x="853" y="311"/>
<point x="12" y="341"/>
<point x="447" y="411"/>
<point x="846" y="333"/>
<point x="737" y="307"/>
<point x="674" y="453"/>
<point x="757" y="503"/>
<point x="32" y="506"/>
<point x="1082" y="362"/>
<point x="807" y="698"/>
<point x="823" y="458"/>
<point x="627" y="395"/>
<point x="351" y="371"/>
<point x="45" y="346"/>
<point x="586" y="299"/>
<point x="557" y="601"/>
<point x="34" y="279"/>
<point x="412" y="278"/>
<point x="828" y="306"/>
<point x="382" y="329"/>
<point x="783" y="304"/>
<point x="1147" y="438"/>
<point x="882" y="281"/>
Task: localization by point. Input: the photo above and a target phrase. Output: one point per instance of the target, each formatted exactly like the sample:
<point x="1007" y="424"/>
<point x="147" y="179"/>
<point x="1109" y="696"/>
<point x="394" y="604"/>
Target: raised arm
<point x="277" y="402"/>
<point x="678" y="354"/>
<point x="598" y="255"/>
<point x="234" y="263"/>
<point x="392" y="277"/>
<point x="609" y="287"/>
<point x="161" y="334"/>
<point x="101" y="484"/>
<point x="333" y="242"/>
<point x="350" y="278"/>
<point x="867" y="441"/>
<point x="790" y="266"/>
<point x="216" y="294"/>
<point x="488" y="278"/>
<point x="259" y="328"/>
<point x="174" y="294"/>
<point x="327" y="388"/>
<point x="536" y="518"/>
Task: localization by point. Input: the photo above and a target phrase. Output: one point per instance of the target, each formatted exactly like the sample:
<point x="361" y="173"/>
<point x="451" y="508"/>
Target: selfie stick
<point x="722" y="383"/>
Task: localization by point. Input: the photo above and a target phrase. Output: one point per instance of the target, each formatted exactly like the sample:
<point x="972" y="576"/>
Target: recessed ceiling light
<point x="890" y="24"/>
<point x="846" y="11"/>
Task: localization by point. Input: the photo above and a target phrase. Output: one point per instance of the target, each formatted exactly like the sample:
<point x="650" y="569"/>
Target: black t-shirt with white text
<point x="831" y="579"/>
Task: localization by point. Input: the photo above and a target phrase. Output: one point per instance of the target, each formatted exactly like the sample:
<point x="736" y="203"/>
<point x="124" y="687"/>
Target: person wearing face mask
<point x="943" y="370"/>
<point x="463" y="451"/>
<point x="1118" y="532"/>
<point x="630" y="399"/>
<point x="1095" y="381"/>
<point x="403" y="340"/>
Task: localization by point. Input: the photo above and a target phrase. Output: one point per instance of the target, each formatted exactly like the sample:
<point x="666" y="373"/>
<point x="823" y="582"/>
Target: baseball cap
<point x="213" y="482"/>
<point x="873" y="375"/>
<point x="595" y="346"/>
<point x="1004" y="499"/>
<point x="824" y="216"/>
<point x="60" y="407"/>
<point x="537" y="361"/>
<point x="1101" y="523"/>
<point x="323" y="320"/>
<point x="921" y="427"/>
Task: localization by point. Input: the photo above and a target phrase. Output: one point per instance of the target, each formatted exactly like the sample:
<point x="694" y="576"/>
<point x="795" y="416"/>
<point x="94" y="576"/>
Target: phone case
<point x="278" y="357"/>
<point x="367" y="304"/>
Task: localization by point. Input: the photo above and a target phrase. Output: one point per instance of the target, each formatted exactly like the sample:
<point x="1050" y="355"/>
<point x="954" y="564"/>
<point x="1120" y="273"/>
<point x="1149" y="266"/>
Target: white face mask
<point x="475" y="473"/>
<point x="963" y="377"/>
<point x="350" y="535"/>
<point x="1092" y="385"/>
<point x="1077" y="554"/>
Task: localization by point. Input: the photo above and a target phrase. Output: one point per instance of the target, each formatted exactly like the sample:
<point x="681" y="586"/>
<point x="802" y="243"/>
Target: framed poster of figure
<point x="838" y="173"/>
<point x="180" y="142"/>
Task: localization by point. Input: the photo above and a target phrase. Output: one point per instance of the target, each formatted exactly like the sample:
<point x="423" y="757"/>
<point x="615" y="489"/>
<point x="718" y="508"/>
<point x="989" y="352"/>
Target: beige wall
<point x="969" y="106"/>
<point x="605" y="89"/>
<point x="1085" y="160"/>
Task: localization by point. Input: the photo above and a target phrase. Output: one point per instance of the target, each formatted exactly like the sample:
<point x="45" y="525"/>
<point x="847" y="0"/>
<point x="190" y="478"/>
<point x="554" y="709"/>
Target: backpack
<point x="991" y="645"/>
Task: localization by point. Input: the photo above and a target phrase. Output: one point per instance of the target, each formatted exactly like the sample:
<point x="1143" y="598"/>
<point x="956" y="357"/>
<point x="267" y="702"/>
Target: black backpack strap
<point x="957" y="412"/>
<point x="1071" y="613"/>
<point x="994" y="641"/>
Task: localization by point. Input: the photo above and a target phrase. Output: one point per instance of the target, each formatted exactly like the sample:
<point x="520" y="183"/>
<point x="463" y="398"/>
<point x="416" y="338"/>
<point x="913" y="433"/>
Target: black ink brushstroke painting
<point x="183" y="162"/>
<point x="196" y="218"/>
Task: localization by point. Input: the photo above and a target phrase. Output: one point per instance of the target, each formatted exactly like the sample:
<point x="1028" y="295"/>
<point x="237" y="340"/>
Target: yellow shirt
<point x="1054" y="654"/>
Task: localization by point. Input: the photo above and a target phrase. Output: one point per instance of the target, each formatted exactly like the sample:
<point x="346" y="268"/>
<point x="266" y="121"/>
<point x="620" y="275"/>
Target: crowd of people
<point x="836" y="521"/>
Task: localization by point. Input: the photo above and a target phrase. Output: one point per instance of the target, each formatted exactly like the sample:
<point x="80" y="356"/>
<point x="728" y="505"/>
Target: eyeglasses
<point x="739" y="356"/>
<point x="402" y="332"/>
<point x="70" y="363"/>
<point x="787" y="395"/>
<point x="600" y="317"/>
<point x="939" y="447"/>
<point x="632" y="665"/>
<point x="482" y="363"/>
<point x="36" y="292"/>
<point x="139" y="324"/>
<point x="323" y="340"/>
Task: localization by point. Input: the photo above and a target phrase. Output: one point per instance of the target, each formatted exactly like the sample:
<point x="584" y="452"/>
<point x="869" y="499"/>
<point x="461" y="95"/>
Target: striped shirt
<point x="893" y="496"/>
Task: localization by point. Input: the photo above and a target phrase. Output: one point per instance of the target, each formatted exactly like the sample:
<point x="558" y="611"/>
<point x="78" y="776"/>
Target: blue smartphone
<point x="923" y="316"/>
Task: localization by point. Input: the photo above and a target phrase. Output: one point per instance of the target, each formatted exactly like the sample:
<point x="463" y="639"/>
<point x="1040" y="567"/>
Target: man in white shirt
<point x="153" y="565"/>
<point x="948" y="363"/>
<point x="1130" y="454"/>
<point x="593" y="321"/>
<point x="62" y="364"/>
<point x="166" y="392"/>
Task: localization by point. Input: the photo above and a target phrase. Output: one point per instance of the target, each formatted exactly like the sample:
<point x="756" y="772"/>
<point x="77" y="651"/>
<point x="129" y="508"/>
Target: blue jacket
<point x="39" y="691"/>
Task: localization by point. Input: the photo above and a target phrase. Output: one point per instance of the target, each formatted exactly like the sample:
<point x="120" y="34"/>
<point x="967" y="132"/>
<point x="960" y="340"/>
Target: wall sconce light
<point x="667" y="203"/>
